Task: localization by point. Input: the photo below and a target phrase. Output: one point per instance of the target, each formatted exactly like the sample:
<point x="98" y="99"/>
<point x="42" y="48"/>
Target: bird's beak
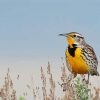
<point x="63" y="35"/>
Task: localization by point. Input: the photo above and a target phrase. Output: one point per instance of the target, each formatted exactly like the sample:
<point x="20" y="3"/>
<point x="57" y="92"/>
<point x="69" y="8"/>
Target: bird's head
<point x="74" y="38"/>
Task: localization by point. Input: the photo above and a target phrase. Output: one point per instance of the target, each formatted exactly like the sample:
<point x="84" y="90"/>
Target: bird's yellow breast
<point x="77" y="63"/>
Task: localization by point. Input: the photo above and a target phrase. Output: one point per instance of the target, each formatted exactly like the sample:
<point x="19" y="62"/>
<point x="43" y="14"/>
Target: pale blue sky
<point x="30" y="28"/>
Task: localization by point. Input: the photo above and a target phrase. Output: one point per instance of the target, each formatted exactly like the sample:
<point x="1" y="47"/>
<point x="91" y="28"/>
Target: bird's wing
<point x="93" y="55"/>
<point x="92" y="59"/>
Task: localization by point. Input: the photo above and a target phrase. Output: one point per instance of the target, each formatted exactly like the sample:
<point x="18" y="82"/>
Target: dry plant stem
<point x="7" y="92"/>
<point x="52" y="83"/>
<point x="43" y="78"/>
<point x="67" y="85"/>
<point x="97" y="94"/>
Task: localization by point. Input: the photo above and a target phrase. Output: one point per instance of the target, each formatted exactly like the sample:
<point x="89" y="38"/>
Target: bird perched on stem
<point x="80" y="56"/>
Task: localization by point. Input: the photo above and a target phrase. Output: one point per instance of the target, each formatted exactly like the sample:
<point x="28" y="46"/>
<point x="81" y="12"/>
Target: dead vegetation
<point x="7" y="91"/>
<point x="72" y="89"/>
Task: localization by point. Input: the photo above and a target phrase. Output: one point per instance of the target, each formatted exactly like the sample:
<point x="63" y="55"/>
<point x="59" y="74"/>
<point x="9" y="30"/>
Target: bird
<point x="80" y="56"/>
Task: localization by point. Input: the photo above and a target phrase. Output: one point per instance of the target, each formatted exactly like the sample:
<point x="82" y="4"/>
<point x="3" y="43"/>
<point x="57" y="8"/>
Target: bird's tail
<point x="95" y="73"/>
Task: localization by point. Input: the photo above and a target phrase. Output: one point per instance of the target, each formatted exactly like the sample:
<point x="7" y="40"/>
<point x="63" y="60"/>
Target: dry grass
<point x="7" y="91"/>
<point x="72" y="89"/>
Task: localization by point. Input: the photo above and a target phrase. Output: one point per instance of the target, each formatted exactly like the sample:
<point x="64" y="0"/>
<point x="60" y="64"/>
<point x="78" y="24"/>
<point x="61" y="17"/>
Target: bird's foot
<point x="86" y="81"/>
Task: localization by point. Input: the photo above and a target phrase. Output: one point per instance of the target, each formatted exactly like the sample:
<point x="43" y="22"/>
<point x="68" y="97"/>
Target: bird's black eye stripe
<point x="80" y="37"/>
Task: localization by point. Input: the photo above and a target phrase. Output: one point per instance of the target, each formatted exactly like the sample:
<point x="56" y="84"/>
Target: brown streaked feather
<point x="91" y="59"/>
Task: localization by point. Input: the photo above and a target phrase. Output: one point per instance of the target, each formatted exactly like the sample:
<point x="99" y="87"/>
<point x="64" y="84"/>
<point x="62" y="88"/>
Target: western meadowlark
<point x="80" y="57"/>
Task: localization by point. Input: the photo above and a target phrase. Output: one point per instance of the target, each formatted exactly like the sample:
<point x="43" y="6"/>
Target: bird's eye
<point x="74" y="35"/>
